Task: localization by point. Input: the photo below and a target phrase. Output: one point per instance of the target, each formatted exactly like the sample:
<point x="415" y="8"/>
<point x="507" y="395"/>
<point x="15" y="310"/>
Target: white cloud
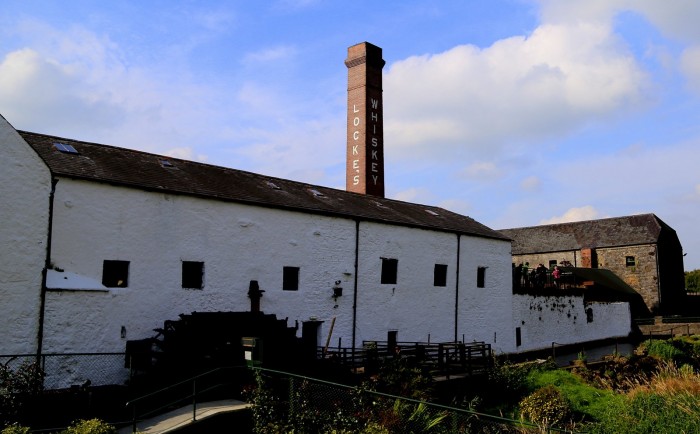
<point x="520" y="88"/>
<point x="37" y="89"/>
<point x="482" y="170"/>
<point x="271" y="54"/>
<point x="531" y="183"/>
<point x="690" y="66"/>
<point x="574" y="215"/>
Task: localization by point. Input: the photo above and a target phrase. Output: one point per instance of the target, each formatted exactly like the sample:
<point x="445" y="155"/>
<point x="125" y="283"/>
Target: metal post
<point x="194" y="400"/>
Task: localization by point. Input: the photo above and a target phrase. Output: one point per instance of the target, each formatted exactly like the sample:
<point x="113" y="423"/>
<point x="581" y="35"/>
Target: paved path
<point x="181" y="417"/>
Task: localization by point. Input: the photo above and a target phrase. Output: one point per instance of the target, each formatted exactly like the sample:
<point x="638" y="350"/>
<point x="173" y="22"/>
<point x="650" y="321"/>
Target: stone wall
<point x="642" y="276"/>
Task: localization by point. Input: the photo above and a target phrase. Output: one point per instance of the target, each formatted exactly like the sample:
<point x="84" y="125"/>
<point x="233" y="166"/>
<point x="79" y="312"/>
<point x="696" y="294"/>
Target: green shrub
<point x="91" y="426"/>
<point x="16" y="386"/>
<point x="546" y="406"/>
<point x="588" y="402"/>
<point x="664" y="350"/>
<point x="15" y="429"/>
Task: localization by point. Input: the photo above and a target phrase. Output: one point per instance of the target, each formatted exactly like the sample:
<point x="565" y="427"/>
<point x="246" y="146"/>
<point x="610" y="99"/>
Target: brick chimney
<point x="365" y="143"/>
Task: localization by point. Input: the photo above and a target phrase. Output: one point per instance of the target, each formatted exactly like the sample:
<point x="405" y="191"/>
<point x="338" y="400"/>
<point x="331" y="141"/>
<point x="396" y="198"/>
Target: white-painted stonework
<point x="239" y="243"/>
<point x="567" y="320"/>
<point x="25" y="187"/>
<point x="155" y="232"/>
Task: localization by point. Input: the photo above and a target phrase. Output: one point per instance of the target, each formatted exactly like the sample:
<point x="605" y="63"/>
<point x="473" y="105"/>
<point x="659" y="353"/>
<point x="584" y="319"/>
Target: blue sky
<point x="514" y="112"/>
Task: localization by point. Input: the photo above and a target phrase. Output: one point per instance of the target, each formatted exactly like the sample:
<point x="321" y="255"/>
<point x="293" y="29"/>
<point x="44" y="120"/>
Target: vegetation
<point x="17" y="387"/>
<point x="655" y="390"/>
<point x="91" y="426"/>
<point x="692" y="281"/>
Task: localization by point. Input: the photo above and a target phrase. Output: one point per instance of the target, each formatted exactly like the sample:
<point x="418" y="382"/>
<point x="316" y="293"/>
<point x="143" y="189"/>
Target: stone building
<point x="641" y="249"/>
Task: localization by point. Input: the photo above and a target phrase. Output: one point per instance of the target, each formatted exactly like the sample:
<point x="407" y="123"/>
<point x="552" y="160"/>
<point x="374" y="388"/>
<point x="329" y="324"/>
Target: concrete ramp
<point x="177" y="419"/>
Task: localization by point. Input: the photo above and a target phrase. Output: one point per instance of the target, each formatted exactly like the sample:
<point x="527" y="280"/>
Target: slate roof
<point x="130" y="168"/>
<point x="609" y="232"/>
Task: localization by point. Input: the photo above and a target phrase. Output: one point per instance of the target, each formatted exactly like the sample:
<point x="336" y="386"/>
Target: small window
<point x="480" y="277"/>
<point x="115" y="274"/>
<point x="518" y="337"/>
<point x="630" y="261"/>
<point x="552" y="263"/>
<point x="290" y="278"/>
<point x="192" y="274"/>
<point x="389" y="270"/>
<point x="440" y="275"/>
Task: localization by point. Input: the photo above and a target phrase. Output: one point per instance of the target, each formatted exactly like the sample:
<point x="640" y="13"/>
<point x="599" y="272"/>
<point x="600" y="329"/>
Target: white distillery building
<point x="102" y="244"/>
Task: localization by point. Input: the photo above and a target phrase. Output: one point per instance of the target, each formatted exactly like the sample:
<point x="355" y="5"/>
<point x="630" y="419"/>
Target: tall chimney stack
<point x="364" y="172"/>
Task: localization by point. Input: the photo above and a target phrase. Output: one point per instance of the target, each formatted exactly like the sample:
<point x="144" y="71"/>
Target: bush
<point x="91" y="426"/>
<point x="15" y="429"/>
<point x="16" y="387"/>
<point x="546" y="407"/>
<point x="664" y="350"/>
<point x="587" y="401"/>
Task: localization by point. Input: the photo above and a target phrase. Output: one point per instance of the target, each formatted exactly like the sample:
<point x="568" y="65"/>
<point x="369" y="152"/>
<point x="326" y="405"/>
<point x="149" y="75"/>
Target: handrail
<point x="195" y="392"/>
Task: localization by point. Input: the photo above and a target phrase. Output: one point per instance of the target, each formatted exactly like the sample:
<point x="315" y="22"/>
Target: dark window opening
<point x="480" y="277"/>
<point x="552" y="263"/>
<point x="440" y="275"/>
<point x="518" y="337"/>
<point x="192" y="274"/>
<point x="290" y="278"/>
<point x="115" y="274"/>
<point x="389" y="270"/>
<point x="630" y="261"/>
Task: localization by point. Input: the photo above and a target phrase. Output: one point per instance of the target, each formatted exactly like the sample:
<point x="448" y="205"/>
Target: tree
<point x="692" y="281"/>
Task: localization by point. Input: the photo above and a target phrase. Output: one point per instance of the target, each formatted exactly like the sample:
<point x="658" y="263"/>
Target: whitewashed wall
<point x="155" y="232"/>
<point x="563" y="320"/>
<point x="486" y="313"/>
<point x="25" y="187"/>
<point x="413" y="306"/>
<point x="239" y="243"/>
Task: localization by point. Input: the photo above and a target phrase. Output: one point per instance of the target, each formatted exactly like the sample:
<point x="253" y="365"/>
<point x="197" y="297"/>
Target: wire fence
<point x="74" y="369"/>
<point x="286" y="402"/>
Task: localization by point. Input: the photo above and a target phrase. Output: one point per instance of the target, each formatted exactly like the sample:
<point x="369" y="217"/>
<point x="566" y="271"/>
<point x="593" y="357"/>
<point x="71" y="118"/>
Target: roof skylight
<point x="65" y="148"/>
<point x="166" y="163"/>
<point x="273" y="185"/>
<point x="431" y="212"/>
<point x="316" y="192"/>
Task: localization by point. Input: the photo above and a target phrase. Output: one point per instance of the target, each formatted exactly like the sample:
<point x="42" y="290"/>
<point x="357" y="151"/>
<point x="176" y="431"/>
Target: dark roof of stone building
<point x="609" y="232"/>
<point x="130" y="168"/>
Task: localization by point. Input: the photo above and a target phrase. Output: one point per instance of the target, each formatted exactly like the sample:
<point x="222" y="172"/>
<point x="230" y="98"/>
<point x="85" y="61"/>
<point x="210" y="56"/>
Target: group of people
<point x="537" y="277"/>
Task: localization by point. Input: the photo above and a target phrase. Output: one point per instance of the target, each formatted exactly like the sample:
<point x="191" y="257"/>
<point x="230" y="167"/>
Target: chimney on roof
<point x="364" y="172"/>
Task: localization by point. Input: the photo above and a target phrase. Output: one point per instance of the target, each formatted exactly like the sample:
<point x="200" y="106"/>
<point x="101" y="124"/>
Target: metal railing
<point x="285" y="402"/>
<point x="219" y="383"/>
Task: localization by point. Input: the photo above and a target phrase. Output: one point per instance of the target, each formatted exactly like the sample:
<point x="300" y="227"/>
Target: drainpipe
<point x="658" y="279"/>
<point x="354" y="292"/>
<point x="459" y="239"/>
<point x="47" y="265"/>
